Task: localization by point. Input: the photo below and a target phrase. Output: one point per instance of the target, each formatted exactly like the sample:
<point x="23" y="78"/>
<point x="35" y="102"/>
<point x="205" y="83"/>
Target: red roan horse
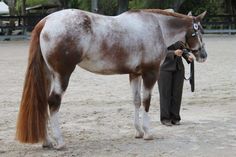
<point x="133" y="43"/>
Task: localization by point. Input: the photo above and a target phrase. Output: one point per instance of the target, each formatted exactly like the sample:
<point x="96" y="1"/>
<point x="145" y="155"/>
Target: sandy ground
<point x="96" y="115"/>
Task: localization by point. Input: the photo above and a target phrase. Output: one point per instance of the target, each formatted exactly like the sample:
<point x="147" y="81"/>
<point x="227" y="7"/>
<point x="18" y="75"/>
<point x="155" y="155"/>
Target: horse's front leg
<point x="149" y="80"/>
<point x="135" y="83"/>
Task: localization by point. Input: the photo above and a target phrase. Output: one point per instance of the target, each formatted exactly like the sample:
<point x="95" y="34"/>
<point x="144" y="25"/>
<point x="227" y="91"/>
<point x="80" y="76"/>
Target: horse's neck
<point x="173" y="28"/>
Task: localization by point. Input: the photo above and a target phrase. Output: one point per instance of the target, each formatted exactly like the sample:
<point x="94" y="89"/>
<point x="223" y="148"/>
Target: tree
<point x="107" y="7"/>
<point x="94" y="6"/>
<point x="23" y="7"/>
<point x="230" y="6"/>
<point x="123" y="6"/>
<point x="12" y="11"/>
<point x="64" y="3"/>
<point x="161" y="4"/>
<point x="12" y="6"/>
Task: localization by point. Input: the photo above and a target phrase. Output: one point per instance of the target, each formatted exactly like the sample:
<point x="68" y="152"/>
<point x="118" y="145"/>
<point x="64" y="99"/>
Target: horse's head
<point x="194" y="38"/>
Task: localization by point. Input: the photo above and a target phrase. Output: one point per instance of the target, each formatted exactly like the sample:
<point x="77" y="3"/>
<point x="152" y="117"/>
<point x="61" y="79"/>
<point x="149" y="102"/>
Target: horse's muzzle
<point x="202" y="55"/>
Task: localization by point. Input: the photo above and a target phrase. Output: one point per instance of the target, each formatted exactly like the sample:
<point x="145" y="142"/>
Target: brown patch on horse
<point x="177" y="23"/>
<point x="33" y="114"/>
<point x="192" y="41"/>
<point x="149" y="79"/>
<point x="141" y="47"/>
<point x="116" y="54"/>
<point x="54" y="102"/>
<point x="45" y="36"/>
<point x="64" y="57"/>
<point x="87" y="23"/>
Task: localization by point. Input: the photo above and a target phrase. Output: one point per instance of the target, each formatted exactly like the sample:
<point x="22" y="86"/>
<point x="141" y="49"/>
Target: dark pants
<point x="170" y="86"/>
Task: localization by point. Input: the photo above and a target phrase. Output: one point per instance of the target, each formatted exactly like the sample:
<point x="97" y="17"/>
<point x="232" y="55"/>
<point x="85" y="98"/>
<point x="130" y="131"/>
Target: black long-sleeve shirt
<point x="173" y="62"/>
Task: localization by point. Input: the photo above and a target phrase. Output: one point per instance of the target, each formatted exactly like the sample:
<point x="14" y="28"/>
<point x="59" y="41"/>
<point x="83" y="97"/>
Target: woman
<point x="170" y="84"/>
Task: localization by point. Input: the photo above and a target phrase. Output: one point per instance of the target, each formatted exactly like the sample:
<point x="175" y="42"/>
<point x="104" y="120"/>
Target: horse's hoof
<point x="50" y="146"/>
<point x="139" y="134"/>
<point x="47" y="145"/>
<point x="148" y="137"/>
<point x="60" y="146"/>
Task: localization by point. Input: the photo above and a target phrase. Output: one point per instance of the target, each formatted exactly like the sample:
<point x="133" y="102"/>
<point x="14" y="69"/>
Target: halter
<point x="195" y="29"/>
<point x="193" y="34"/>
<point x="191" y="77"/>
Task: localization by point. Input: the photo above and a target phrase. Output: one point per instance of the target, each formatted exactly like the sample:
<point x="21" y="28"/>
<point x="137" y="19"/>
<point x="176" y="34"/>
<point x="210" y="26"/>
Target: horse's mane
<point x="164" y="12"/>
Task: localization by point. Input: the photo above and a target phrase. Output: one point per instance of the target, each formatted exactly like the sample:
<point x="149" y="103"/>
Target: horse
<point x="134" y="43"/>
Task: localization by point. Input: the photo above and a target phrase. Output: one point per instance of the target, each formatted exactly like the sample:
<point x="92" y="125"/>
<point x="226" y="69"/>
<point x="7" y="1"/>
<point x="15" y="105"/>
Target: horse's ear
<point x="201" y="16"/>
<point x="190" y="13"/>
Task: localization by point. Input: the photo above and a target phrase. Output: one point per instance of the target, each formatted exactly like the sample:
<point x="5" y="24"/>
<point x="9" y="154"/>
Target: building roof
<point x="4" y="9"/>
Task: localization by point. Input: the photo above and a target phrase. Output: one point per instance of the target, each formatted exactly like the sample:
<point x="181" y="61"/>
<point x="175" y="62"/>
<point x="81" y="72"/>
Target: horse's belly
<point x="104" y="68"/>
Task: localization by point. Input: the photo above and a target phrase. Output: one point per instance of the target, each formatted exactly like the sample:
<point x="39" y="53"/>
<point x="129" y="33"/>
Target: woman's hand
<point x="178" y="52"/>
<point x="190" y="58"/>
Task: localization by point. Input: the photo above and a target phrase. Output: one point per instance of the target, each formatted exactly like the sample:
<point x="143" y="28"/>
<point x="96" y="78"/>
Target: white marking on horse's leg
<point x="139" y="133"/>
<point x="57" y="84"/>
<point x="56" y="130"/>
<point x="136" y="87"/>
<point x="146" y="126"/>
<point x="146" y="119"/>
<point x="54" y="115"/>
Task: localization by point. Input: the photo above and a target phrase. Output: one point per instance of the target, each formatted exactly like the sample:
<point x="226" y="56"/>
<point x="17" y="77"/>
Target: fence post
<point x="94" y="6"/>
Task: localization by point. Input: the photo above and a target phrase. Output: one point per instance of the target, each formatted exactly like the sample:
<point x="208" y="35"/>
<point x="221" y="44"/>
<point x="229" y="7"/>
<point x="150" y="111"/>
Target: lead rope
<point x="191" y="77"/>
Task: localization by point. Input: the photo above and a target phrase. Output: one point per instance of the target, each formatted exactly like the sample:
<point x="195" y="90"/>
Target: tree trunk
<point x="64" y="4"/>
<point x="176" y="5"/>
<point x="123" y="6"/>
<point x="94" y="6"/>
<point x="233" y="2"/>
<point x="11" y="4"/>
<point x="23" y="7"/>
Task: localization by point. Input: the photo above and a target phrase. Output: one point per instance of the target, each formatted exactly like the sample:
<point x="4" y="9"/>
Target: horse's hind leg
<point x="59" y="85"/>
<point x="61" y="69"/>
<point x="149" y="80"/>
<point x="135" y="82"/>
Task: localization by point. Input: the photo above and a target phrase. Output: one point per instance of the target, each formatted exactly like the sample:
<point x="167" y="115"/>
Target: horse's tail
<point x="33" y="113"/>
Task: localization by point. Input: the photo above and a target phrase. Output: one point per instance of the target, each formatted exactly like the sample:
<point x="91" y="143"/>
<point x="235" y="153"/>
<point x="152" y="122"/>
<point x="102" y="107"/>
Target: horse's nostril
<point x="203" y="56"/>
<point x="203" y="53"/>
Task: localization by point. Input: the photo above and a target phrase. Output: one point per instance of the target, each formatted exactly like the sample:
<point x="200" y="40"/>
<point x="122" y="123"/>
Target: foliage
<point x="213" y="7"/>
<point x="84" y="5"/>
<point x="74" y="4"/>
<point x="161" y="4"/>
<point x="136" y="4"/>
<point x="108" y="7"/>
<point x="28" y="4"/>
<point x="35" y="2"/>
